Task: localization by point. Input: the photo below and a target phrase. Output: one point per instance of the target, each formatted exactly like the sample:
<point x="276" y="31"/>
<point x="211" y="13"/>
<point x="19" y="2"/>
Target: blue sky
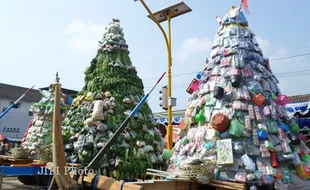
<point x="38" y="38"/>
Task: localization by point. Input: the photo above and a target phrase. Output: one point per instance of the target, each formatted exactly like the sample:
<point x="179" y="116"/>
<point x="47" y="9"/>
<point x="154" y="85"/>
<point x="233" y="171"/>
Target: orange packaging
<point x="259" y="99"/>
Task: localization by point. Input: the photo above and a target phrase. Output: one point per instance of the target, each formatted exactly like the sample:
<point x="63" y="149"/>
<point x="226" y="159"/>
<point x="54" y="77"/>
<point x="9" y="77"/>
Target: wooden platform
<point x="9" y="160"/>
<point x="106" y="183"/>
<point x="169" y="185"/>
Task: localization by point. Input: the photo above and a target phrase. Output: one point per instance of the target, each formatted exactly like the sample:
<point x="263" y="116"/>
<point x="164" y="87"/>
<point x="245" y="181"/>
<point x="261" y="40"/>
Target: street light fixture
<point x="175" y="10"/>
<point x="162" y="15"/>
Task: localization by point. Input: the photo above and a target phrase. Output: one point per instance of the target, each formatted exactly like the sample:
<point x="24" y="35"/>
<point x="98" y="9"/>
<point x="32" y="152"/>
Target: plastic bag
<point x="272" y="126"/>
<point x="238" y="148"/>
<point x="241" y="177"/>
<point x="98" y="110"/>
<point x="225" y="62"/>
<point x="254" y="86"/>
<point x="225" y="72"/>
<point x="246" y="72"/>
<point x="236" y="128"/>
<point x="216" y="71"/>
<point x="248" y="162"/>
<point x="238" y="105"/>
<point x="237" y="62"/>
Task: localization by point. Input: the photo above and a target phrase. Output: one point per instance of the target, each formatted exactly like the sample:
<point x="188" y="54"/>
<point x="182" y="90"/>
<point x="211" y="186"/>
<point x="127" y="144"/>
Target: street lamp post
<point x="162" y="15"/>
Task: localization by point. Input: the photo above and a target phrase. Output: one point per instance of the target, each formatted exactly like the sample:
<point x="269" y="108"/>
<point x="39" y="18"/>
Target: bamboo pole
<point x="63" y="180"/>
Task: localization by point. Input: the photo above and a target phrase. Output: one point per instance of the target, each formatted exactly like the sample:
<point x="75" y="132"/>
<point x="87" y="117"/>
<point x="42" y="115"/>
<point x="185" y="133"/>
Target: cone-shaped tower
<point x="39" y="132"/>
<point x="112" y="89"/>
<point x="237" y="116"/>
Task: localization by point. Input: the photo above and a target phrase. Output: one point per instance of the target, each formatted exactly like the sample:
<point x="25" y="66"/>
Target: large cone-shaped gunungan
<point x="237" y="116"/>
<point x="112" y="89"/>
<point x="38" y="137"/>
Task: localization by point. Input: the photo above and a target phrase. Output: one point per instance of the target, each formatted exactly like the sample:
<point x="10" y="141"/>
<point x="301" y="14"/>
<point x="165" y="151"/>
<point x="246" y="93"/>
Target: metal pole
<point x="168" y="45"/>
<point x="157" y="23"/>
<point x="169" y="131"/>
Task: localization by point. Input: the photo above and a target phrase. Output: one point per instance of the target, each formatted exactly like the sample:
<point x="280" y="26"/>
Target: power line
<point x="283" y="74"/>
<point x="289" y="57"/>
<point x="276" y="59"/>
<point x="187" y="73"/>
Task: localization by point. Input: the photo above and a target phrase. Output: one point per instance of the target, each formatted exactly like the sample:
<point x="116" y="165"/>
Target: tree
<point x="238" y="111"/>
<point x="112" y="89"/>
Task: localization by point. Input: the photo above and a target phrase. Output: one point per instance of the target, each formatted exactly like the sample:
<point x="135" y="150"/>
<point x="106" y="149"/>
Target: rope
<point x="122" y="185"/>
<point x="96" y="182"/>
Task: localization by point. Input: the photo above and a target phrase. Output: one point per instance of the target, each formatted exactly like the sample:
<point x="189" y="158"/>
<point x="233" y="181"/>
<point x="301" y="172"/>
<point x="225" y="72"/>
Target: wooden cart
<point x="10" y="160"/>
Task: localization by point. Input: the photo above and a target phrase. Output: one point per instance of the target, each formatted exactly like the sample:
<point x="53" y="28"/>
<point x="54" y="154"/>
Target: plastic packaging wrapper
<point x="98" y="110"/>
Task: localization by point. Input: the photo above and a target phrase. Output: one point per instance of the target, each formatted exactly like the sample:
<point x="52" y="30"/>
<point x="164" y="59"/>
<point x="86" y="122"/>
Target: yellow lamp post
<point x="162" y="15"/>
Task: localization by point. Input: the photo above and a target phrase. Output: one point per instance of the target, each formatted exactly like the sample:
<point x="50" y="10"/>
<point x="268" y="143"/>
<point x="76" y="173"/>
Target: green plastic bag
<point x="272" y="126"/>
<point x="236" y="128"/>
<point x="294" y="127"/>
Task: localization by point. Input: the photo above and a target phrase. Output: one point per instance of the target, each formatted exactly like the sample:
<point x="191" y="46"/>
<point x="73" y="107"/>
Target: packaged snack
<point x="257" y="113"/>
<point x="240" y="177"/>
<point x="251" y="112"/>
<point x="267" y="179"/>
<point x="238" y="105"/>
<point x="267" y="111"/>
<point x="287" y="176"/>
<point x="246" y="72"/>
<point x="248" y="123"/>
<point x="260" y="166"/>
<point x="264" y="152"/>
<point x="255" y="137"/>
<point x="225" y="62"/>
<point x="250" y="177"/>
<point x="246" y="94"/>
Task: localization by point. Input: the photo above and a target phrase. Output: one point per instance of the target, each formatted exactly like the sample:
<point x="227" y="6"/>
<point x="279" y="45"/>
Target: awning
<point x="303" y="122"/>
<point x="175" y="120"/>
<point x="301" y="107"/>
<point x="14" y="139"/>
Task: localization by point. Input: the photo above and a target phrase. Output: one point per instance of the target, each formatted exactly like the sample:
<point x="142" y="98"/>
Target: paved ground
<point x="10" y="183"/>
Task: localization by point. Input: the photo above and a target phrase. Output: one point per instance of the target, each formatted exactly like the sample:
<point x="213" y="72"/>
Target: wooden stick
<point x="52" y="183"/>
<point x="63" y="181"/>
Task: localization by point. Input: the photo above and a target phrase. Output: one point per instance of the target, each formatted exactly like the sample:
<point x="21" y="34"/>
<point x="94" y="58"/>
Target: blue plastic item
<point x="262" y="135"/>
<point x="69" y="100"/>
<point x="283" y="126"/>
<point x="198" y="76"/>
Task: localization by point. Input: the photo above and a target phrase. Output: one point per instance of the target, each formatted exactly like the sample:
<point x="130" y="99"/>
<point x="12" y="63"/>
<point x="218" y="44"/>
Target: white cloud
<point x="83" y="37"/>
<point x="290" y="83"/>
<point x="263" y="43"/>
<point x="270" y="51"/>
<point x="192" y="46"/>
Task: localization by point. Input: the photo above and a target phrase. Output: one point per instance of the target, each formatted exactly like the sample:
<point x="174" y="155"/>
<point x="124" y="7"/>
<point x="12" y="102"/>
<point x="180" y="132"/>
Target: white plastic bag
<point x="98" y="110"/>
